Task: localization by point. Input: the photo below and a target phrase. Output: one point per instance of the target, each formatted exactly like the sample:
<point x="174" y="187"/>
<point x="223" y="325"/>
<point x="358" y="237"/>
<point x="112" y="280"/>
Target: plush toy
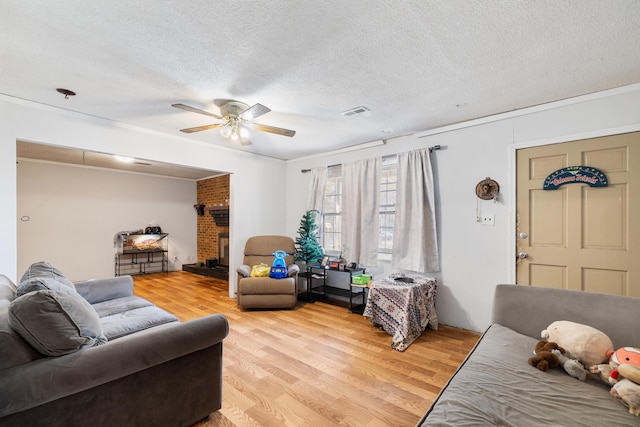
<point x="609" y="372"/>
<point x="584" y="343"/>
<point x="626" y="356"/>
<point x="623" y="372"/>
<point x="549" y="355"/>
<point x="630" y="372"/>
<point x="628" y="393"/>
<point x="544" y="357"/>
<point x="627" y="389"/>
<point x="571" y="366"/>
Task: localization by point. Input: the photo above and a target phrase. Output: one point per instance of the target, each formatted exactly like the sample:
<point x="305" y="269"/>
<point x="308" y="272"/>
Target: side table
<point x="323" y="291"/>
<point x="403" y="305"/>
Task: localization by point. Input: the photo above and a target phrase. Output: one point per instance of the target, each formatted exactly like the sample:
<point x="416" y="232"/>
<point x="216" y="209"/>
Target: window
<point x="332" y="208"/>
<point x="332" y="211"/>
<point x="388" y="179"/>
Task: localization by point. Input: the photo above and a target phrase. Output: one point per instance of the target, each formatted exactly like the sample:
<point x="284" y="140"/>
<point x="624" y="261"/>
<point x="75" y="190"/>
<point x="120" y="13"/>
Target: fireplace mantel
<point x="220" y="215"/>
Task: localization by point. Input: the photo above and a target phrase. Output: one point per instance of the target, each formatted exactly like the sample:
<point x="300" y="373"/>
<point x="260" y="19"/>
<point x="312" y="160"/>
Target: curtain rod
<point x="431" y="149"/>
<point x="330" y="166"/>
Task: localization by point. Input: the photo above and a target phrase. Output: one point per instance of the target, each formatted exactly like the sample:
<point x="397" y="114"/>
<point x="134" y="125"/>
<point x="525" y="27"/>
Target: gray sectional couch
<point x="495" y="386"/>
<point x="92" y="353"/>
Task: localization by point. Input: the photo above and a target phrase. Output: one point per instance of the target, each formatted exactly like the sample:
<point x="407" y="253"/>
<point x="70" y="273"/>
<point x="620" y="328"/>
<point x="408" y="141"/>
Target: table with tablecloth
<point x="404" y="306"/>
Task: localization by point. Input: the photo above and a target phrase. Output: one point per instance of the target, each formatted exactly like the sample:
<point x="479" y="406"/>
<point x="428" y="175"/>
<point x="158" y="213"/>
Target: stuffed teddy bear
<point x="549" y="355"/>
<point x="544" y="357"/>
<point x="584" y="343"/>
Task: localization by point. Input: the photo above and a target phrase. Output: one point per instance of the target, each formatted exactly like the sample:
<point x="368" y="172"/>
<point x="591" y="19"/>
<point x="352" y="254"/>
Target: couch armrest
<point x="48" y="379"/>
<point x="98" y="290"/>
<point x="293" y="270"/>
<point x="244" y="270"/>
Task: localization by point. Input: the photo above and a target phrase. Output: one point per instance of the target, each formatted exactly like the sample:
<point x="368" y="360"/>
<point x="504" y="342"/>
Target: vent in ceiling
<point x="358" y="111"/>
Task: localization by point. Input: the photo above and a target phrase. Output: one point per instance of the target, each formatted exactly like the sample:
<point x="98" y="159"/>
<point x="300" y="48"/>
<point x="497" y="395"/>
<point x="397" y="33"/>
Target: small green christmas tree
<point x="307" y="247"/>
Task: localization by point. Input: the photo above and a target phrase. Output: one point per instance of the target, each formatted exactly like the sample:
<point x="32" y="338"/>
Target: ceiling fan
<point x="237" y="117"/>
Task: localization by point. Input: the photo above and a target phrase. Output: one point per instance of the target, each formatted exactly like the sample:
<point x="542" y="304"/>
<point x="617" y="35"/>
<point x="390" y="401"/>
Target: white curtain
<point x="415" y="243"/>
<point x="316" y="192"/>
<point x="360" y="207"/>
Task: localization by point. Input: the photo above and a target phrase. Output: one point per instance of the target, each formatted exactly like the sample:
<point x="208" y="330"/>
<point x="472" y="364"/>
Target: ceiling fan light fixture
<point x="226" y="131"/>
<point x="238" y="117"/>
<point x="234" y="131"/>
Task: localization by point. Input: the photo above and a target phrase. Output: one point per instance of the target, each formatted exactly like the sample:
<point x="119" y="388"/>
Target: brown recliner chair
<point x="267" y="292"/>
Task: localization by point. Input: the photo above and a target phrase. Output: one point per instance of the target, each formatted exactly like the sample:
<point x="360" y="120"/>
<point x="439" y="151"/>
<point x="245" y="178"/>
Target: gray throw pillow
<point x="44" y="269"/>
<point x="56" y="323"/>
<point x="42" y="284"/>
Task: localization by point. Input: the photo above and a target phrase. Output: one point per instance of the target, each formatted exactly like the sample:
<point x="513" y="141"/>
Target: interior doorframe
<point x="511" y="162"/>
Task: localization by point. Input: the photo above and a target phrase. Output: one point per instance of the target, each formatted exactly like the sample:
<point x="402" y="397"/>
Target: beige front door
<point x="578" y="236"/>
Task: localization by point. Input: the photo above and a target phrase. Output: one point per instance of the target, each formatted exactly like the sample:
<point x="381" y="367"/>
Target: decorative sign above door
<point x="576" y="175"/>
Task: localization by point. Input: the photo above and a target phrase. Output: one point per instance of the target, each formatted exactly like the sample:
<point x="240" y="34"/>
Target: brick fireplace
<point x="212" y="225"/>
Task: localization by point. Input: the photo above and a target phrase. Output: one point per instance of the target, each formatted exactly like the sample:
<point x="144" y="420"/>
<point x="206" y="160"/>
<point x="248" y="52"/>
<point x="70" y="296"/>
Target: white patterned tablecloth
<point x="403" y="309"/>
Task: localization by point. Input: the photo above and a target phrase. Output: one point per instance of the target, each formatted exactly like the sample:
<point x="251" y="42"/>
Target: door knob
<point x="522" y="255"/>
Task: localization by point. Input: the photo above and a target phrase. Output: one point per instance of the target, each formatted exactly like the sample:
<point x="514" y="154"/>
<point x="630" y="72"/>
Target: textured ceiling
<point x="416" y="64"/>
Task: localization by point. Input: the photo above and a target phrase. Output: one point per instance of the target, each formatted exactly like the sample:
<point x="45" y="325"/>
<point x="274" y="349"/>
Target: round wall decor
<point x="487" y="189"/>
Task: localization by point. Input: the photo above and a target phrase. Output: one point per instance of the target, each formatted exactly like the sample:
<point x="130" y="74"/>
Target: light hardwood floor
<point x="314" y="365"/>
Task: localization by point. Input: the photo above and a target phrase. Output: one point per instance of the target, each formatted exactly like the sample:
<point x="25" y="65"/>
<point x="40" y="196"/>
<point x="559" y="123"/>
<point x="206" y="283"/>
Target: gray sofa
<point x="138" y="366"/>
<point x="496" y="386"/>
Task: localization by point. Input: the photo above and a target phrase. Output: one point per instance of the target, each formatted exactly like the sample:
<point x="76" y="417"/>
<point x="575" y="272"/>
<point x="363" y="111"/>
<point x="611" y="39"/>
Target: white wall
<point x="474" y="258"/>
<point x="70" y="214"/>
<point x="254" y="178"/>
<point x="8" y="253"/>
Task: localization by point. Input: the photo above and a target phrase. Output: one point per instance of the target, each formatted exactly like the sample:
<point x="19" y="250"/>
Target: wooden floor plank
<point x="314" y="365"/>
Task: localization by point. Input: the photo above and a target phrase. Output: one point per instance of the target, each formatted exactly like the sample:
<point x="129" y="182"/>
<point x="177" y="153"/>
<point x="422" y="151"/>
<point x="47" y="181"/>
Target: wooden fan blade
<point x="253" y="112"/>
<point x="196" y="110"/>
<point x="200" y="128"/>
<point x="271" y="129"/>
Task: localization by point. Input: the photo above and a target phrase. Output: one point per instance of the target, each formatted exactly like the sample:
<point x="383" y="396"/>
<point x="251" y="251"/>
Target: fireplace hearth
<point x="214" y="267"/>
<point x="219" y="271"/>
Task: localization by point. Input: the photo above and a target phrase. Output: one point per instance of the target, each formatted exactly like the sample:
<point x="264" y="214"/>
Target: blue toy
<point x="279" y="268"/>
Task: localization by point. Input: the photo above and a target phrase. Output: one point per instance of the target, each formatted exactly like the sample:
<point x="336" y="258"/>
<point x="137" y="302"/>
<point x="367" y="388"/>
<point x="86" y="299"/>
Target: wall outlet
<point x="487" y="219"/>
